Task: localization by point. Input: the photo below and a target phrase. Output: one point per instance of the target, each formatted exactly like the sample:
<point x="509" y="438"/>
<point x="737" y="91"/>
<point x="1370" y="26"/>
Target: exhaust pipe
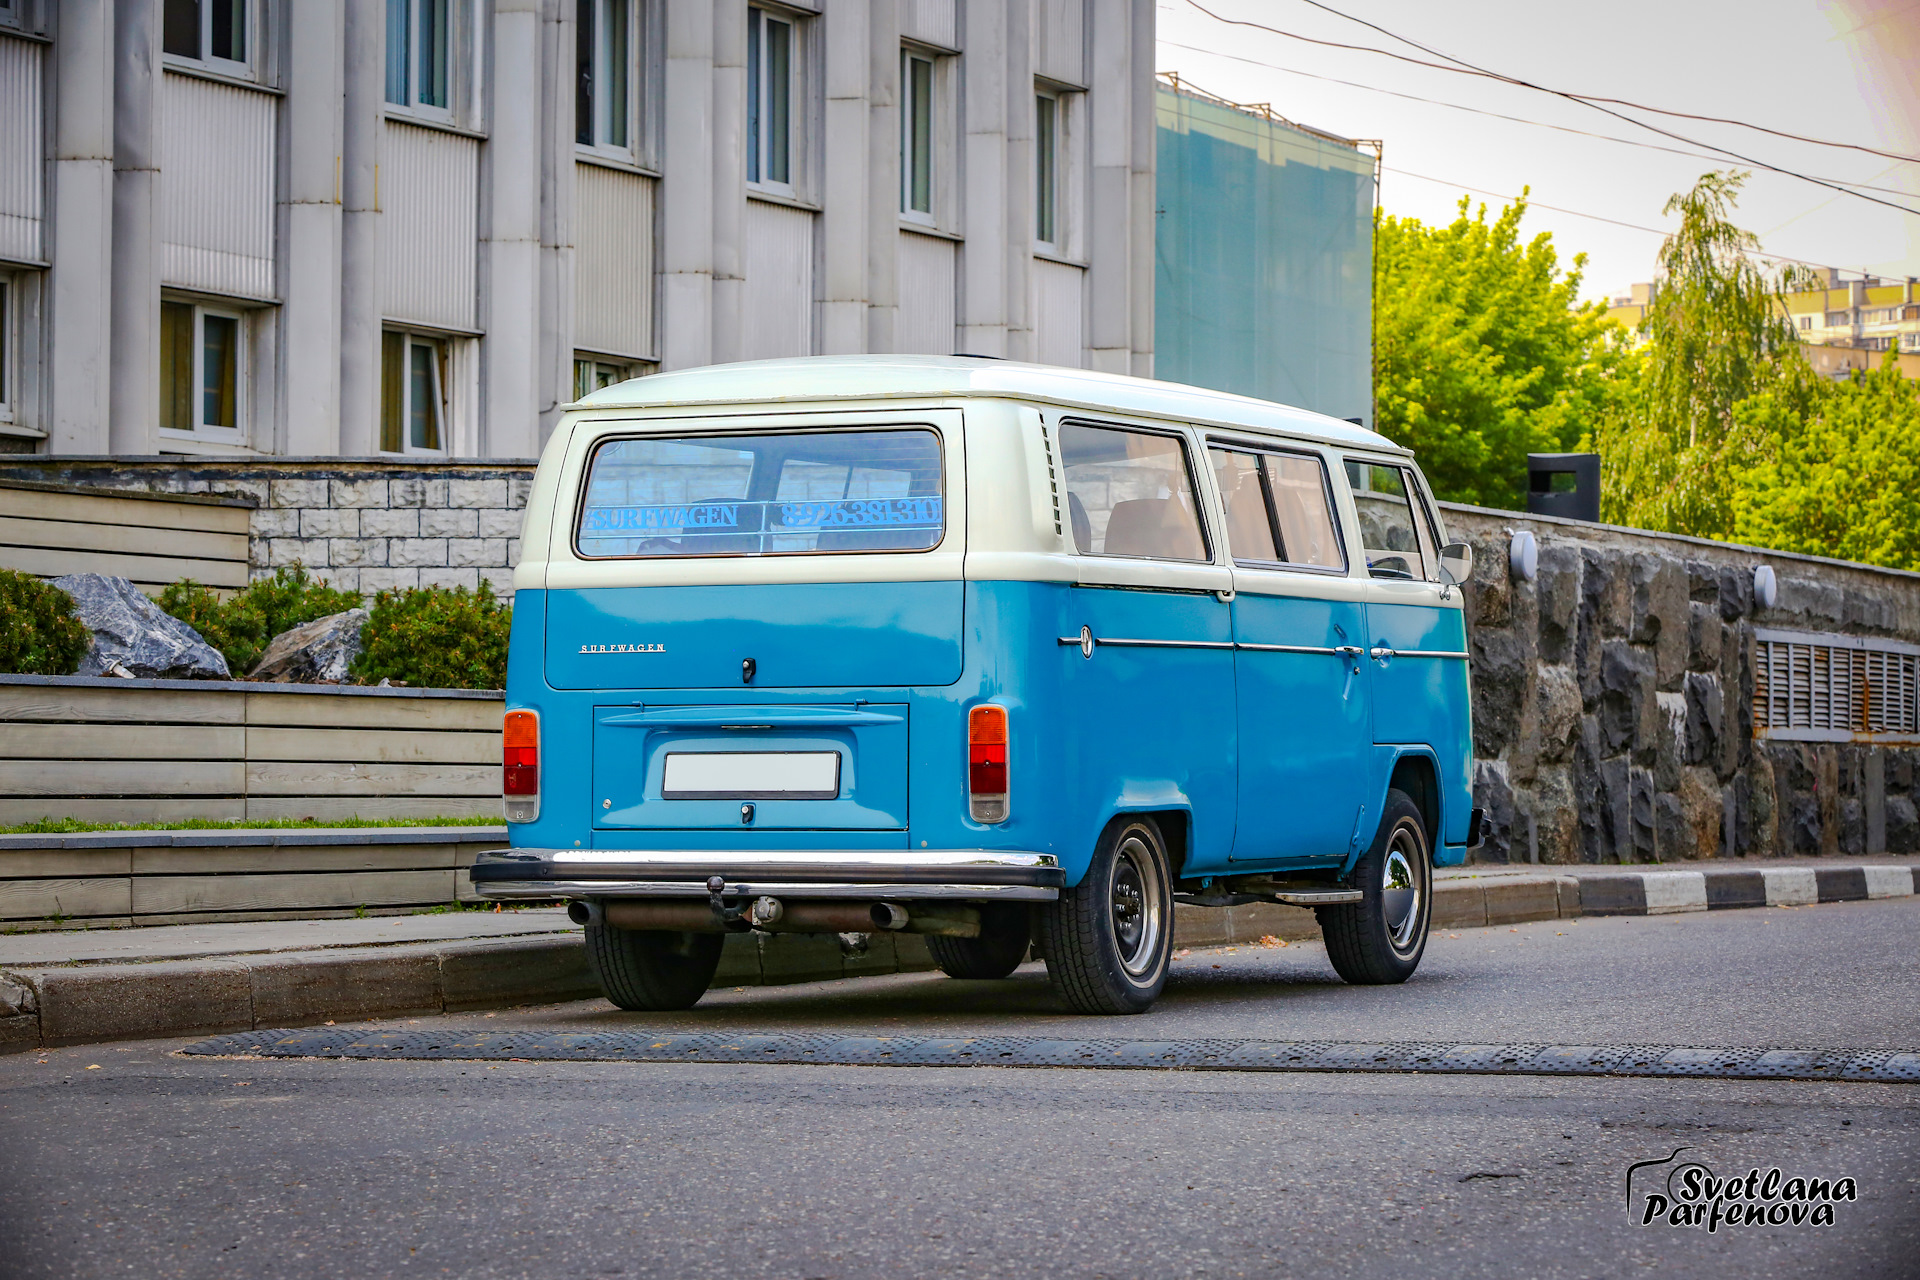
<point x="584" y="911"/>
<point x="683" y="915"/>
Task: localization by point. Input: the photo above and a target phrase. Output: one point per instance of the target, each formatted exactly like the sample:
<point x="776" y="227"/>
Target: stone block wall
<point x="1613" y="700"/>
<point x="362" y="524"/>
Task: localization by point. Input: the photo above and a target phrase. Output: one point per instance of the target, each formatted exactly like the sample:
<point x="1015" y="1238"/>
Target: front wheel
<point x="1380" y="938"/>
<point x="653" y="971"/>
<point x="1108" y="939"/>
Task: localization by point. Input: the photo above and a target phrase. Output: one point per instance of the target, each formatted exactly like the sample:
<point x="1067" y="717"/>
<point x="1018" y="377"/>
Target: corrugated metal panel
<point x="928" y="20"/>
<point x="779" y="288"/>
<point x="613" y="261"/>
<point x="1058" y="322"/>
<point x="1835" y="688"/>
<point x="926" y="321"/>
<point x="216" y="148"/>
<point x="1058" y="46"/>
<point x="21" y="137"/>
<point x="429" y="202"/>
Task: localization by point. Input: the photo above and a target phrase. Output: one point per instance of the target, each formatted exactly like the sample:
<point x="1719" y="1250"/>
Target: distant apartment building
<point x="1846" y="325"/>
<point x="1263" y="275"/>
<point x="418" y="228"/>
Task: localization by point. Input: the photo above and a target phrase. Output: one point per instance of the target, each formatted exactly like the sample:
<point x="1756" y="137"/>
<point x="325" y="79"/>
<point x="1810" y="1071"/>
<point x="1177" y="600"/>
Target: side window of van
<point x="1130" y="493"/>
<point x="763" y="494"/>
<point x="1277" y="508"/>
<point x="1383" y="497"/>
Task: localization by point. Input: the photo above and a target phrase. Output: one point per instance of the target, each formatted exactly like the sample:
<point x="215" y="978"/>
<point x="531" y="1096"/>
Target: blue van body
<point x="1260" y="713"/>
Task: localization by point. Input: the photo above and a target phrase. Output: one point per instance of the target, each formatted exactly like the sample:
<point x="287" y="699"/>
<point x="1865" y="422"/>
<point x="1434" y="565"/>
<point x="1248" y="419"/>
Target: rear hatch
<point x="687" y="529"/>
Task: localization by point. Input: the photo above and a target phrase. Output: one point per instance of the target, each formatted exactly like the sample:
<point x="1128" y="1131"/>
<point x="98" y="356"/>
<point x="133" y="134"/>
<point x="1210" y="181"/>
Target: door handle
<point x="1380" y="653"/>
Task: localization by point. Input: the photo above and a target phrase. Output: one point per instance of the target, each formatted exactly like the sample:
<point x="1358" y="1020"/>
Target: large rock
<point x="317" y="652"/>
<point x="133" y="637"/>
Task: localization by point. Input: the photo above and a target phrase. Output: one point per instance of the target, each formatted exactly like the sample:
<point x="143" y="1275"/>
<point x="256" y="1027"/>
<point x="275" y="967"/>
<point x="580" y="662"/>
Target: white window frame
<point x="634" y="150"/>
<point x="254" y="38"/>
<point x="618" y="368"/>
<point x="760" y="100"/>
<point x="242" y="370"/>
<point x="9" y="347"/>
<point x="1068" y="105"/>
<point x="912" y="97"/>
<point x="460" y="61"/>
<point x="443" y="380"/>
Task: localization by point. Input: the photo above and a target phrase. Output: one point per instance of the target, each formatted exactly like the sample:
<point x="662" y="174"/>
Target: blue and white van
<point x="1009" y="656"/>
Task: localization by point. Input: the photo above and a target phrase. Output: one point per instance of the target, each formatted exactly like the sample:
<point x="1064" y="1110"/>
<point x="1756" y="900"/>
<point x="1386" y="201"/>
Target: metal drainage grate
<point x="1040" y="1051"/>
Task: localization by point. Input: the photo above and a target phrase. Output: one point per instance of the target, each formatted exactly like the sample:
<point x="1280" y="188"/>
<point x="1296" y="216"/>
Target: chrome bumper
<point x="808" y="873"/>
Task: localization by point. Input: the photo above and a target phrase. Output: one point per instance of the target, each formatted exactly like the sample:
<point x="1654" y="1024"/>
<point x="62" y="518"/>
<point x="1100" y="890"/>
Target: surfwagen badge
<point x="623" y="648"/>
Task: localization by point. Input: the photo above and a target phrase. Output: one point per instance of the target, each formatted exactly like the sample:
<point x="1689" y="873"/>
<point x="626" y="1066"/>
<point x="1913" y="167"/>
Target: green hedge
<point x="436" y="638"/>
<point x="39" y="634"/>
<point x="242" y="627"/>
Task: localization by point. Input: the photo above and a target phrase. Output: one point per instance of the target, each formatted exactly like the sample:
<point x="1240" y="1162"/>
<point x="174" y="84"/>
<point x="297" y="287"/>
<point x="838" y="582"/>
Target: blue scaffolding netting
<point x="1263" y="257"/>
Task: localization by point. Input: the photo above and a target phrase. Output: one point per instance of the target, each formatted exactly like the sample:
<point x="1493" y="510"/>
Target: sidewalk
<point x="85" y="985"/>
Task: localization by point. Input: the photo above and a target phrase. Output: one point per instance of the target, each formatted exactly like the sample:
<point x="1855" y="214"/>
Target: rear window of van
<point x="756" y="495"/>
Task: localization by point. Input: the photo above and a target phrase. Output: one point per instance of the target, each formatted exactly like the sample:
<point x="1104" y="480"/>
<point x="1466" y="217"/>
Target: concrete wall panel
<point x="930" y="21"/>
<point x="613" y="298"/>
<point x="1059" y="314"/>
<point x="216" y="146"/>
<point x="1059" y="41"/>
<point x="926" y="322"/>
<point x="22" y="201"/>
<point x="429" y="199"/>
<point x="778" y="318"/>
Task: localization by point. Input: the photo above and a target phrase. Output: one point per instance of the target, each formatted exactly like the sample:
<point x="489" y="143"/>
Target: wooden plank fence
<point x="108" y="750"/>
<point x="150" y="538"/>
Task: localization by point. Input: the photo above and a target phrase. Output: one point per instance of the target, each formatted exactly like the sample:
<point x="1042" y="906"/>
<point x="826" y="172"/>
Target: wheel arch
<point x="1416" y="773"/>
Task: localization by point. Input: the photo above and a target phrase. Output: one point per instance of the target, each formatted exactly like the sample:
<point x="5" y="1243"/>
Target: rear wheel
<point x="1380" y="938"/>
<point x="1108" y="939"/>
<point x="997" y="952"/>
<point x="649" y="971"/>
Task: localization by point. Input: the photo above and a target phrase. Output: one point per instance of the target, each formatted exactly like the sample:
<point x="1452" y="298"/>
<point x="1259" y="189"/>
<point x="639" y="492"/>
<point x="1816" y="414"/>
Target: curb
<point x="54" y="1005"/>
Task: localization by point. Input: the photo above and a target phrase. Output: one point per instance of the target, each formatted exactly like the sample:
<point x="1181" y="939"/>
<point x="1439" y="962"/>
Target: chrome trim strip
<point x="832" y="861"/>
<point x="1343" y="650"/>
<point x="1335" y="651"/>
<point x="547" y="889"/>
<point x="1425" y="653"/>
<point x="1319" y="897"/>
<point x="1119" y="643"/>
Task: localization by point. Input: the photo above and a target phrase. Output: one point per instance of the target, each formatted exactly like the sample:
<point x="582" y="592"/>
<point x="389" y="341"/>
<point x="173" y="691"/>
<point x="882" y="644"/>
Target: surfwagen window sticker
<point x="756" y="495"/>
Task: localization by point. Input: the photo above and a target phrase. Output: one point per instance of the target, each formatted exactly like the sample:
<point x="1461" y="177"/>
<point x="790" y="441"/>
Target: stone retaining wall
<point x="1613" y="700"/>
<point x="362" y="524"/>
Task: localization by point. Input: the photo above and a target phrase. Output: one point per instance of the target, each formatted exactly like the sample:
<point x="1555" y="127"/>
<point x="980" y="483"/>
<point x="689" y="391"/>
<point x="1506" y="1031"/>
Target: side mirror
<point x="1456" y="563"/>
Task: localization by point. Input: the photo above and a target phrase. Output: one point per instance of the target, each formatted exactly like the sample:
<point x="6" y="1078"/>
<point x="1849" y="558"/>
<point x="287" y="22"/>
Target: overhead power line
<point x="1592" y="98"/>
<point x="1469" y="69"/>
<point x="1496" y="115"/>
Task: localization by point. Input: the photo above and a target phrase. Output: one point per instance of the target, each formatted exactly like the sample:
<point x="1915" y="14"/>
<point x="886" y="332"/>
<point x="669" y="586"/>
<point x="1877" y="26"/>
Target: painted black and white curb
<point x="1658" y="893"/>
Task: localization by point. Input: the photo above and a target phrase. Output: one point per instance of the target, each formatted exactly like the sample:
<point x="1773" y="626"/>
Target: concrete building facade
<point x="419" y="228"/>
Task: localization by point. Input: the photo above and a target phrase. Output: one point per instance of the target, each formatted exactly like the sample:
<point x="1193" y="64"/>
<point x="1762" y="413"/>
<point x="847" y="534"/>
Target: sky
<point x="1838" y="71"/>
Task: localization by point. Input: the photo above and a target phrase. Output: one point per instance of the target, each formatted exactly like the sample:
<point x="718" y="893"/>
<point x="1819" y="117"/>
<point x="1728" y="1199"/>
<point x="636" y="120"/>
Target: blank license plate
<point x="752" y="775"/>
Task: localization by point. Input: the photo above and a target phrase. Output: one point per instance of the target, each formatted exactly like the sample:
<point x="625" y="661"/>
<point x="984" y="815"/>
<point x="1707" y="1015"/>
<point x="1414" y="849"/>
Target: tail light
<point x="987" y="763"/>
<point x="520" y="783"/>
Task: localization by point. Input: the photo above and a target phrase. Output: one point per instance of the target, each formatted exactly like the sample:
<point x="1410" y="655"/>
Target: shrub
<point x="242" y="627"/>
<point x="39" y="635"/>
<point x="437" y="638"/>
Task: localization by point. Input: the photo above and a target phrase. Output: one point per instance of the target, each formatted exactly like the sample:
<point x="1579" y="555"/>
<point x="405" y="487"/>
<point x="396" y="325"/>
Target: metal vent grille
<point x="1053" y="481"/>
<point x="1832" y="688"/>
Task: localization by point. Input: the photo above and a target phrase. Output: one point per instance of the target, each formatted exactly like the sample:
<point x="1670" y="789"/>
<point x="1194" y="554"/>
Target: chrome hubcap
<point x="1401" y="889"/>
<point x="1136" y="905"/>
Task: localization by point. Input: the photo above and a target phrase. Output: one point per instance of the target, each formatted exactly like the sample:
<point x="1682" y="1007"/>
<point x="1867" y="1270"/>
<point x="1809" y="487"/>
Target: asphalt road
<point x="160" y="1165"/>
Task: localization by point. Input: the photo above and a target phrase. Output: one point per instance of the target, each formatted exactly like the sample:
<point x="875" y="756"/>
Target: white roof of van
<point x="892" y="377"/>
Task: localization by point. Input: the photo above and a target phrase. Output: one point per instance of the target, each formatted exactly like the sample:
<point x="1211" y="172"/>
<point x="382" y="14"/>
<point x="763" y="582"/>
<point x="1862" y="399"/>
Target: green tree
<point x="1717" y="334"/>
<point x="1482" y="351"/>
<point x="39" y="634"/>
<point x="1844" y="481"/>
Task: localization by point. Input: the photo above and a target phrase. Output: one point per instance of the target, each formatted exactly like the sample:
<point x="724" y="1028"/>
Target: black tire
<point x="1108" y="939"/>
<point x="1380" y="939"/>
<point x="652" y="972"/>
<point x="997" y="952"/>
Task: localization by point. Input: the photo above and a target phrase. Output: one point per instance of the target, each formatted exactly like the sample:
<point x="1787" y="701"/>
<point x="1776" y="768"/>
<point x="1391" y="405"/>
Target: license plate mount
<point x="751" y="775"/>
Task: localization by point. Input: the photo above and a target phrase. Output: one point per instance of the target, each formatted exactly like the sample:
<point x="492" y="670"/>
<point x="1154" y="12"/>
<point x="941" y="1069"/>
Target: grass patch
<point x="74" y="826"/>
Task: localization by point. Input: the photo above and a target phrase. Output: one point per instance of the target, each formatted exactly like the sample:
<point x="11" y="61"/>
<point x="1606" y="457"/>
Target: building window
<point x="413" y="394"/>
<point x="772" y="46"/>
<point x="591" y="373"/>
<point x="1806" y="322"/>
<point x="205" y="30"/>
<point x="916" y="134"/>
<point x="604" y="64"/>
<point x="8" y="377"/>
<point x="202" y="373"/>
<point x="1046" y="163"/>
<point x="419" y="53"/>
